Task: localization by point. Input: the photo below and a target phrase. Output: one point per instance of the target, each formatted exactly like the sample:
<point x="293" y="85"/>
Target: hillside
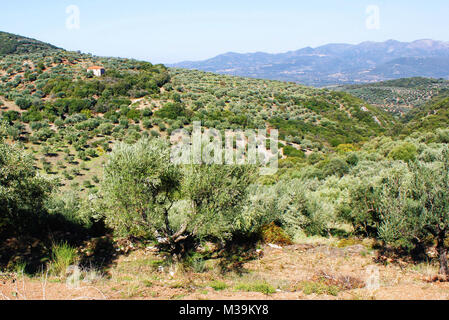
<point x="299" y="112"/>
<point x="90" y="194"/>
<point x="398" y="96"/>
<point x="70" y="118"/>
<point x="337" y="63"/>
<point x="14" y="44"/>
<point x="432" y="115"/>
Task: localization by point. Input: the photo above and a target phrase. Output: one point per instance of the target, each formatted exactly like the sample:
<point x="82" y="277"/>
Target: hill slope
<point x="399" y="96"/>
<point x="299" y="112"/>
<point x="337" y="63"/>
<point x="432" y="115"/>
<point x="70" y="119"/>
<point x="14" y="44"/>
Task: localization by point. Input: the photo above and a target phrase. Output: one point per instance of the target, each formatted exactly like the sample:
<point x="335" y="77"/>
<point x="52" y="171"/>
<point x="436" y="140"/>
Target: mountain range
<point x="336" y="64"/>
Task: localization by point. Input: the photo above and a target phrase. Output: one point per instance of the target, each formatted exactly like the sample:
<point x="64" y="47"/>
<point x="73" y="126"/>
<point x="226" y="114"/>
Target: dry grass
<point x="300" y="271"/>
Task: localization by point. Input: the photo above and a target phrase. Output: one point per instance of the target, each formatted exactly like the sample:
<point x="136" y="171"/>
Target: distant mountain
<point x="14" y="44"/>
<point x="334" y="64"/>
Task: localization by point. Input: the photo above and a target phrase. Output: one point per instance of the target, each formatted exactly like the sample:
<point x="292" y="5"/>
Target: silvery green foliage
<point x="299" y="206"/>
<point x="261" y="208"/>
<point x="139" y="187"/>
<point x="363" y="187"/>
<point x="179" y="213"/>
<point x="430" y="153"/>
<point x="144" y="194"/>
<point x="443" y="135"/>
<point x="414" y="208"/>
<point x="216" y="196"/>
<point x="67" y="204"/>
<point x="305" y="207"/>
<point x="23" y="192"/>
<point x="74" y="208"/>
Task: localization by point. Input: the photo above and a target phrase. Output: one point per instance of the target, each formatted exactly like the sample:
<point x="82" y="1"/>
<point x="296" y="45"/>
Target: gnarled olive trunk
<point x="178" y="244"/>
<point x="442" y="253"/>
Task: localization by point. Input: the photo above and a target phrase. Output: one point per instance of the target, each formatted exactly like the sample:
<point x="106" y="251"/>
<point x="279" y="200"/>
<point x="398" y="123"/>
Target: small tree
<point x="139" y="188"/>
<point x="146" y="195"/>
<point x="23" y="193"/>
<point x="412" y="209"/>
<point x="217" y="196"/>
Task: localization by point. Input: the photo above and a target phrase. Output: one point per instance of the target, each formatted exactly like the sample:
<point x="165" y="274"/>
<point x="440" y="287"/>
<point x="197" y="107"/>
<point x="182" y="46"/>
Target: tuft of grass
<point x="319" y="288"/>
<point x="147" y="283"/>
<point x="218" y="285"/>
<point x="260" y="286"/>
<point x="63" y="256"/>
<point x="195" y="262"/>
<point x="19" y="267"/>
<point x="343" y="243"/>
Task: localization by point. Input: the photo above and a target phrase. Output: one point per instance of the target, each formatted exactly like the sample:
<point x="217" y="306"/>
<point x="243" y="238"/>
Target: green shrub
<point x="142" y="190"/>
<point x="318" y="288"/>
<point x="62" y="257"/>
<point x="290" y="151"/>
<point x="405" y="152"/>
<point x="218" y="285"/>
<point x="258" y="286"/>
<point x="23" y="103"/>
<point x="23" y="192"/>
<point x="416" y="207"/>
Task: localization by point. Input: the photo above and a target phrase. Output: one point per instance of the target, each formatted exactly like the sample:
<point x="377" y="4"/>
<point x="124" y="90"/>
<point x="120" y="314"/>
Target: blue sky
<point x="172" y="31"/>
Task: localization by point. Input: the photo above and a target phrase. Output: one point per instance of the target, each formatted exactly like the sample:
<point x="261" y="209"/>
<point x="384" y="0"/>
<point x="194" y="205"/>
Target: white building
<point x="96" y="70"/>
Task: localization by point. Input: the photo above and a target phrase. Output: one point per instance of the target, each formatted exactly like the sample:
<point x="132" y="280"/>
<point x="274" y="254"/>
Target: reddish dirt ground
<point x="300" y="271"/>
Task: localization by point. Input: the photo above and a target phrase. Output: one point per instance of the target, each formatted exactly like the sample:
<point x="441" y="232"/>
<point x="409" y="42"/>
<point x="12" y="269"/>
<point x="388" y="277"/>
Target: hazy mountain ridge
<point x="337" y="63"/>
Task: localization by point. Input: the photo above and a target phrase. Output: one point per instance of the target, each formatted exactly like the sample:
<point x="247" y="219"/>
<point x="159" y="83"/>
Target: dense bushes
<point x="172" y="111"/>
<point x="405" y="152"/>
<point x="216" y="196"/>
<point x="416" y="206"/>
<point x="23" y="192"/>
<point x="295" y="206"/>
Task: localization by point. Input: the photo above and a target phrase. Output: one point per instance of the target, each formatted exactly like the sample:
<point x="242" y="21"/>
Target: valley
<point x="89" y="193"/>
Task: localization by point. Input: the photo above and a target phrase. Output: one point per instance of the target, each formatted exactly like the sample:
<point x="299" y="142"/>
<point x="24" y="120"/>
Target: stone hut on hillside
<point x="96" y="70"/>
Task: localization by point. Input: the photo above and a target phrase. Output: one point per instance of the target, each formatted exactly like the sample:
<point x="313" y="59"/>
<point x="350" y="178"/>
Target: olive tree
<point x="23" y="192"/>
<point x="299" y="206"/>
<point x="362" y="191"/>
<point x="415" y="208"/>
<point x="217" y="195"/>
<point x="139" y="188"/>
<point x="146" y="195"/>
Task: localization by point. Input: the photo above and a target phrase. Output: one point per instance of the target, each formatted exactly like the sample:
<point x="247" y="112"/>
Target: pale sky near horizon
<point x="167" y="32"/>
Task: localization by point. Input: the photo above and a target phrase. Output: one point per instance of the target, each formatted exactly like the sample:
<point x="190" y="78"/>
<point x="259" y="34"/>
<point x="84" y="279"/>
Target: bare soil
<point x="300" y="271"/>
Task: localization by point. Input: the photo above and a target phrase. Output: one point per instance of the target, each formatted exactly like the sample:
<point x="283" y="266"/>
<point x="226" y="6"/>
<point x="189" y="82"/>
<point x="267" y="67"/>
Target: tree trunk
<point x="442" y="254"/>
